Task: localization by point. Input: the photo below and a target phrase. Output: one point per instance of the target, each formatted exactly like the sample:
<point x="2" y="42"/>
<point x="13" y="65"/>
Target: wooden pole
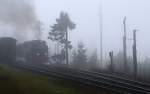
<point x="111" y="60"/>
<point x="101" y="33"/>
<point x="124" y="46"/>
<point x="134" y="54"/>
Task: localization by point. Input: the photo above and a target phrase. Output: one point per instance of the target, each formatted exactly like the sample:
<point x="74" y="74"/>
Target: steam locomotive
<point x="34" y="51"/>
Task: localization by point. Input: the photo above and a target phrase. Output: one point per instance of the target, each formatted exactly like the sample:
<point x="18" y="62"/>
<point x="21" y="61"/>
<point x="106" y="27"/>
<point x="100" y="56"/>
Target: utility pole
<point x="111" y="60"/>
<point x="125" y="45"/>
<point x="134" y="53"/>
<point x="101" y="33"/>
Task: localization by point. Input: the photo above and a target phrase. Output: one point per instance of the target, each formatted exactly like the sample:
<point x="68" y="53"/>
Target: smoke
<point x="21" y="17"/>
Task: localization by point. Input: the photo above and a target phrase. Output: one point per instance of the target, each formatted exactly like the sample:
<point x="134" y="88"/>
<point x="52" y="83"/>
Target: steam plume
<point x="21" y="17"/>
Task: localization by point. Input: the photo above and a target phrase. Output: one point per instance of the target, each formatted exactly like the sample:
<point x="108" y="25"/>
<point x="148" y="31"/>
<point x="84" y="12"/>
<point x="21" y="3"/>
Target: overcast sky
<point x="86" y="15"/>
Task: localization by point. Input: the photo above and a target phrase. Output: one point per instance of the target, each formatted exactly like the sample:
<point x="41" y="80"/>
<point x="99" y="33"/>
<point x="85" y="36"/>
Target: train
<point x="34" y="51"/>
<point x="7" y="49"/>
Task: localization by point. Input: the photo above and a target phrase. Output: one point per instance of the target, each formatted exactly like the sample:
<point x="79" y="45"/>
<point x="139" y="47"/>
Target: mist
<point x="18" y="19"/>
<point x="23" y="19"/>
<point x="102" y="43"/>
<point x="88" y="21"/>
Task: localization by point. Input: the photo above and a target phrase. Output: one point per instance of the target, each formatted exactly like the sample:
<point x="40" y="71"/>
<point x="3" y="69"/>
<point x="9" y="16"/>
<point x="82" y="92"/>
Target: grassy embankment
<point x="15" y="81"/>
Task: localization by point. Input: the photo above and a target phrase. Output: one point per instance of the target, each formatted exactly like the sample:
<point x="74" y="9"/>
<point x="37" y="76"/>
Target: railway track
<point x="109" y="76"/>
<point x="108" y="82"/>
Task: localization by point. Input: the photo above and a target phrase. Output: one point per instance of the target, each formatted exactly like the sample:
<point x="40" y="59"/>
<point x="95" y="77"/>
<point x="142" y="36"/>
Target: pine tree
<point x="80" y="57"/>
<point x="74" y="57"/>
<point x="59" y="33"/>
<point x="93" y="60"/>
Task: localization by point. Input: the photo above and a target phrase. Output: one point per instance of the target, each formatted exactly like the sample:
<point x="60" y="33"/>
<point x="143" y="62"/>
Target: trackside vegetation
<point x="15" y="81"/>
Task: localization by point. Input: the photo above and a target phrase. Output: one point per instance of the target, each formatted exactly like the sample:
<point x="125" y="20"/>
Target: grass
<point x="15" y="81"/>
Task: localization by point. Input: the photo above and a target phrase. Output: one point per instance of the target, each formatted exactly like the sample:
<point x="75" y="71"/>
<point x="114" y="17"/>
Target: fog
<point x="67" y="33"/>
<point x="26" y="17"/>
<point x="19" y="18"/>
<point x="86" y="14"/>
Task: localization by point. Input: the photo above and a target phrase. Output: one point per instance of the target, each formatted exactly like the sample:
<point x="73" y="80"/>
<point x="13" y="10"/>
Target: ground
<point x="15" y="81"/>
